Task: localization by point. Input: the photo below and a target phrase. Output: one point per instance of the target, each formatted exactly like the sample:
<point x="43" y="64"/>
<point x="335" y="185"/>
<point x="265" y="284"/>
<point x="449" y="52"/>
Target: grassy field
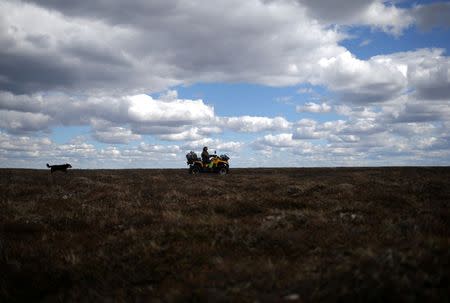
<point x="256" y="235"/>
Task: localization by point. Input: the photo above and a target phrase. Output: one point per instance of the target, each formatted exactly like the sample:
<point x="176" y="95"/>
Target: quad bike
<point x="219" y="164"/>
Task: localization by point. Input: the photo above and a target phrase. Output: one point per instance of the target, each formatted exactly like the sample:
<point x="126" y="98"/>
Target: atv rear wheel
<point x="195" y="170"/>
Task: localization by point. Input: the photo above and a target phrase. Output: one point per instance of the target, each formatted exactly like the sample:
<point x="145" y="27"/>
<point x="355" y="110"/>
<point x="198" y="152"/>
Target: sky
<point x="271" y="83"/>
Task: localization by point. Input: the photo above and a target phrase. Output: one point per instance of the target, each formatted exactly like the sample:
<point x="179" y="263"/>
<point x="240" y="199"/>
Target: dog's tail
<point x="48" y="165"/>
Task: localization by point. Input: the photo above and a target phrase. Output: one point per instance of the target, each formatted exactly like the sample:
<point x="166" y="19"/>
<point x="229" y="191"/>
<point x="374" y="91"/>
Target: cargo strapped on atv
<point x="191" y="157"/>
<point x="224" y="157"/>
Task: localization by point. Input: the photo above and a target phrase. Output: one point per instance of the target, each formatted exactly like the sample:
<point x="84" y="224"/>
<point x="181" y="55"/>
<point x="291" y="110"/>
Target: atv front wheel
<point x="223" y="170"/>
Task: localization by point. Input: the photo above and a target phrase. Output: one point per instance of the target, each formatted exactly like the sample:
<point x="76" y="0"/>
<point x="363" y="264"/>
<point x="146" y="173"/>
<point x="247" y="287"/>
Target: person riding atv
<point x="208" y="163"/>
<point x="206" y="156"/>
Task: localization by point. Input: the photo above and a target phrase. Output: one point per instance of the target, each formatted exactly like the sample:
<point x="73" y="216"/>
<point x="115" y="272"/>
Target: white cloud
<point x="305" y="90"/>
<point x="121" y="119"/>
<point x="280" y="140"/>
<point x="144" y="108"/>
<point x="360" y="81"/>
<point x="413" y="110"/>
<point x="311" y="107"/>
<point x="279" y="43"/>
<point x="308" y="133"/>
<point x="22" y="143"/>
<point x="373" y="13"/>
<point x="25" y="151"/>
<point x="427" y="71"/>
<point x="284" y="99"/>
<point x="230" y="146"/>
<point x="111" y="153"/>
<point x="365" y="42"/>
<point x="189" y="134"/>
<point x="115" y="134"/>
<point x="108" y="114"/>
<point x="107" y="132"/>
<point x="75" y="150"/>
<point x="310" y="129"/>
<point x="388" y="18"/>
<point x="160" y="46"/>
<point x="415" y="129"/>
<point x="17" y="122"/>
<point x="213" y="144"/>
<point x="50" y="46"/>
<point x="78" y="63"/>
<point x="254" y="124"/>
<point x="362" y="112"/>
<point x="344" y="138"/>
<point x="286" y="145"/>
<point x="159" y="149"/>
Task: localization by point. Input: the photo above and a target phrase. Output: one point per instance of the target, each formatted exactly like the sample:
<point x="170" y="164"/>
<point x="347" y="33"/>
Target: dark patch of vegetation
<point x="267" y="235"/>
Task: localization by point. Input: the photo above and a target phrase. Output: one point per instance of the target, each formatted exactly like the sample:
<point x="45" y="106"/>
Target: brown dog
<point x="62" y="167"/>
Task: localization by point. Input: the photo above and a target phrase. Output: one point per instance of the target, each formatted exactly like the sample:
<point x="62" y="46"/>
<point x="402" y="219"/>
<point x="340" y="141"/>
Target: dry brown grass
<point x="264" y="235"/>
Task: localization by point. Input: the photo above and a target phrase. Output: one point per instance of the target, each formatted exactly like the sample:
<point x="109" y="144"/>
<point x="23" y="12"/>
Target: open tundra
<point x="267" y="235"/>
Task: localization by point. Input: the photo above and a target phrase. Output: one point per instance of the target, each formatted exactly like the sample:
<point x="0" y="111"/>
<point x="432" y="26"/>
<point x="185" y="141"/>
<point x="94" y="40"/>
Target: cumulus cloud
<point x="148" y="47"/>
<point x="311" y="129"/>
<point x="189" y="134"/>
<point x="23" y="151"/>
<point x="106" y="114"/>
<point x="401" y="128"/>
<point x="159" y="149"/>
<point x="287" y="144"/>
<point x="432" y="15"/>
<point x="382" y="78"/>
<point x="229" y="146"/>
<point x="254" y="124"/>
<point x="427" y="71"/>
<point x="372" y="13"/>
<point x="307" y="129"/>
<point x="106" y="132"/>
<point x="408" y="110"/>
<point x="387" y="17"/>
<point x="387" y="146"/>
<point x="51" y="46"/>
<point x="305" y="90"/>
<point x="213" y="144"/>
<point x="359" y="81"/>
<point x="90" y="63"/>
<point x="44" y="50"/>
<point x="311" y="107"/>
<point x="280" y="140"/>
<point x="18" y="151"/>
<point x="144" y="108"/>
<point x="18" y="122"/>
<point x="115" y="135"/>
<point x="121" y="119"/>
<point x="22" y="143"/>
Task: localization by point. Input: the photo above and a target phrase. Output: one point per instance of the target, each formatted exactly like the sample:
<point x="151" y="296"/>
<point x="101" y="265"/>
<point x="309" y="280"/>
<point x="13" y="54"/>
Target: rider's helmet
<point x="205" y="148"/>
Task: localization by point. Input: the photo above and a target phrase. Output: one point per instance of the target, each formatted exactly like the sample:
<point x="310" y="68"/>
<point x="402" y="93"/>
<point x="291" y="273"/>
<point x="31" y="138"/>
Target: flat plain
<point x="255" y="235"/>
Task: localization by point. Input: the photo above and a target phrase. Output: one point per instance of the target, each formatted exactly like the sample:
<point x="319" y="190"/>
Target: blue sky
<point x="271" y="83"/>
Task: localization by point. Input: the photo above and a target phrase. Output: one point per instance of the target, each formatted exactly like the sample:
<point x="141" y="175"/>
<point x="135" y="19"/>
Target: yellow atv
<point x="219" y="164"/>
